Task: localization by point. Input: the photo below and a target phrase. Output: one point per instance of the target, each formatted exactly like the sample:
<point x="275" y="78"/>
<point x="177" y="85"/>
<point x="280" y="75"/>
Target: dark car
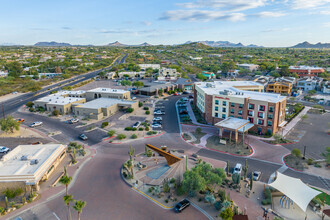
<point x="185" y="92"/>
<point x="83" y="137"/>
<point x="181" y="205"/>
<point x="191" y="96"/>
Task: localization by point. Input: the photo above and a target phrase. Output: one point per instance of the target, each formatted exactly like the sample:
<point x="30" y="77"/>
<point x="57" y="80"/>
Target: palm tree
<point x="67" y="199"/>
<point x="78" y="206"/>
<point x="66" y="181"/>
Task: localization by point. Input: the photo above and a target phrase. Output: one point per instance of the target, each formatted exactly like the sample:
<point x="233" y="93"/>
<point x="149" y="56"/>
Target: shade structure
<point x="295" y="189"/>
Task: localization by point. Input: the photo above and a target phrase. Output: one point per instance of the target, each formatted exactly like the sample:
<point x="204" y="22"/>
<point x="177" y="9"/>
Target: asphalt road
<point x="12" y="105"/>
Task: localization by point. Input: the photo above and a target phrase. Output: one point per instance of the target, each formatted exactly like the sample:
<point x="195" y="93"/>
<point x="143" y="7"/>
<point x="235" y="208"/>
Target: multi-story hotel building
<point x="240" y="99"/>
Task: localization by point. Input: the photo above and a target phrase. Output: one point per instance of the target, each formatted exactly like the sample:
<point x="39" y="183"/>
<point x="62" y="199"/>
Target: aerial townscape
<point x="95" y="124"/>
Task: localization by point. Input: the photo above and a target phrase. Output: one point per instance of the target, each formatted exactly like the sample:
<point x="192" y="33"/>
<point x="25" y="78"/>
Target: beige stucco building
<point x="102" y="107"/>
<point x="107" y="93"/>
<point x="27" y="165"/>
<point x="58" y="102"/>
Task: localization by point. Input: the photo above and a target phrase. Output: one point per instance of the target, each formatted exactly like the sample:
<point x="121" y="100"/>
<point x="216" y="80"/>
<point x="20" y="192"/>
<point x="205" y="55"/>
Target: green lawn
<point x="321" y="197"/>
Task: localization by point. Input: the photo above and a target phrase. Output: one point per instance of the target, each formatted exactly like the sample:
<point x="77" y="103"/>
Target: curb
<point x="289" y="166"/>
<point x="156" y="135"/>
<point x="205" y="126"/>
<point x="105" y="139"/>
<point x="155" y="201"/>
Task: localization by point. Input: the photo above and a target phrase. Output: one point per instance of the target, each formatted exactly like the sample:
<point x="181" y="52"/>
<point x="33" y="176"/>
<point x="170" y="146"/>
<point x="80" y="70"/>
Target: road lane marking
<point x="56" y="216"/>
<point x="155" y="201"/>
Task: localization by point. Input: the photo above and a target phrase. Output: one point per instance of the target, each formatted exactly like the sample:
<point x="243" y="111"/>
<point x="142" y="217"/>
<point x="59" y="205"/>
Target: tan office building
<point x="107" y="93"/>
<point x="103" y="107"/>
<point x="279" y="87"/>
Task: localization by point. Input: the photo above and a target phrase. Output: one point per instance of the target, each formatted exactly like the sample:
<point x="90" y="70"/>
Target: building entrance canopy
<point x="295" y="189"/>
<point x="235" y="124"/>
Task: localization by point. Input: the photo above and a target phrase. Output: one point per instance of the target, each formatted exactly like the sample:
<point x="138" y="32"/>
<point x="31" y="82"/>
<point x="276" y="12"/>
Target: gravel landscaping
<point x="213" y="142"/>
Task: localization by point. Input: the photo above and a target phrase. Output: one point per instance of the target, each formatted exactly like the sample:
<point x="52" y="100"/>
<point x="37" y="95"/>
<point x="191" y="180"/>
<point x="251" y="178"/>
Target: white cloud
<point x="276" y="30"/>
<point x="266" y="14"/>
<point x="326" y="24"/>
<point x="227" y="5"/>
<point x="201" y="15"/>
<point x="147" y="23"/>
<point x="308" y="4"/>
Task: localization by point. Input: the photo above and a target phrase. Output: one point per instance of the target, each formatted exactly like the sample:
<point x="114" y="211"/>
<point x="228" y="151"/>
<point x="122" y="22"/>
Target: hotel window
<point x="269" y="123"/>
<point x="240" y="112"/>
<point x="232" y="116"/>
<point x="240" y="105"/>
<point x="271" y="108"/>
<point x="216" y="108"/>
<point x="270" y="116"/>
<point x="250" y="113"/>
<point x="232" y="110"/>
<point x="239" y="117"/>
<point x="251" y="106"/>
<point x="260" y="115"/>
<point x="223" y="109"/>
<point x="224" y="103"/>
<point x="217" y="102"/>
<point x="261" y="108"/>
<point x="223" y="116"/>
<point x="216" y="115"/>
<point x="260" y="122"/>
<point x="251" y="120"/>
<point x="232" y="104"/>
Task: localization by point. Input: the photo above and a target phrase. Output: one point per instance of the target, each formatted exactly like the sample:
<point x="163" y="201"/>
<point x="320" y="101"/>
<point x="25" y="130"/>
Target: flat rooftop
<point x="58" y="99"/>
<point x="17" y="163"/>
<point x="67" y="92"/>
<point x="228" y="88"/>
<point x="305" y="68"/>
<point x="104" y="103"/>
<point x="108" y="90"/>
<point x="242" y="125"/>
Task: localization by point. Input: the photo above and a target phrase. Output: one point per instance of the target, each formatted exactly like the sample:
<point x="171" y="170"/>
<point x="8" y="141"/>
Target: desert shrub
<point x="128" y="128"/>
<point x="111" y="133"/>
<point x="130" y="110"/>
<point x="134" y="136"/>
<point x="140" y="104"/>
<point x="236" y="178"/>
<point x="56" y="112"/>
<point x="146" y="108"/>
<point x="134" y="129"/>
<point x="180" y="191"/>
<point x="121" y="136"/>
<point x="267" y="200"/>
<point x="198" y="130"/>
<point x="140" y="129"/>
<point x="310" y="161"/>
<point x="104" y="124"/>
<point x="218" y="205"/>
<point x="166" y="200"/>
<point x="149" y="153"/>
<point x="210" y="198"/>
<point x="172" y="180"/>
<point x="12" y="193"/>
<point x="147" y="112"/>
<point x="29" y="104"/>
<point x="296" y="152"/>
<point x="149" y="133"/>
<point x="147" y="128"/>
<point x="222" y="195"/>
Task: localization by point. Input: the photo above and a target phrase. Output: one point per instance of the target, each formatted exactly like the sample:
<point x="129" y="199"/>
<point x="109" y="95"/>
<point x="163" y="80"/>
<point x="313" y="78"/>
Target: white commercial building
<point x="146" y="66"/>
<point x="107" y="93"/>
<point x="168" y="72"/>
<point x="307" y="84"/>
<point x="27" y="165"/>
<point x="250" y="67"/>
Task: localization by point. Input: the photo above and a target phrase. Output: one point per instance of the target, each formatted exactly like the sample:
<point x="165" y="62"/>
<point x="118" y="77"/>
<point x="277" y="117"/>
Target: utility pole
<point x="304" y="152"/>
<point x="3" y="111"/>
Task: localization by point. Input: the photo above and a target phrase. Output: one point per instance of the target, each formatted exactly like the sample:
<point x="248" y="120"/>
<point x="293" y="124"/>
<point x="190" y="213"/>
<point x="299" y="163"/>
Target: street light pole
<point x="304" y="152"/>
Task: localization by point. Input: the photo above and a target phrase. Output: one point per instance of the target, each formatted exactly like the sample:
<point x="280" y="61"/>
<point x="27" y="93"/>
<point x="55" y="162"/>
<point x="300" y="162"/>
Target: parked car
<point x="191" y="96"/>
<point x="185" y="99"/>
<point x="133" y="98"/>
<point x="20" y="120"/>
<point x="137" y="124"/>
<point x="73" y="120"/>
<point x="35" y="124"/>
<point x="156" y="126"/>
<point x="4" y="150"/>
<point x="159" y="113"/>
<point x="157" y="122"/>
<point x="183" y="112"/>
<point x="181" y="205"/>
<point x="238" y="169"/>
<point x="176" y="94"/>
<point x="83" y="137"/>
<point x="158" y="118"/>
<point x="256" y="175"/>
<point x="185" y="92"/>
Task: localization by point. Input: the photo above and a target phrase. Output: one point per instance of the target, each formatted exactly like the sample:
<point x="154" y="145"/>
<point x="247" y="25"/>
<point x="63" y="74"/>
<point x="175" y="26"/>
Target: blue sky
<point x="99" y="22"/>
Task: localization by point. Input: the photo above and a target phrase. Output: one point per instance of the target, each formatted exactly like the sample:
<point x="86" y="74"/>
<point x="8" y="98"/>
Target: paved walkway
<point x="203" y="140"/>
<point x="192" y="116"/>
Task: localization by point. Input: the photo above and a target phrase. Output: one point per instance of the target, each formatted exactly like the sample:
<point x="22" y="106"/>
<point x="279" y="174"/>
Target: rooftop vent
<point x="210" y="85"/>
<point x="24" y="157"/>
<point x="34" y="161"/>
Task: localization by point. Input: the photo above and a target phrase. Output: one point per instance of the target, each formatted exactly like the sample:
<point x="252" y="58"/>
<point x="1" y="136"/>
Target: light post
<point x="304" y="152"/>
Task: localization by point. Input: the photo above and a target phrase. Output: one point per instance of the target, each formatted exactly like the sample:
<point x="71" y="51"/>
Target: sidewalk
<point x="192" y="116"/>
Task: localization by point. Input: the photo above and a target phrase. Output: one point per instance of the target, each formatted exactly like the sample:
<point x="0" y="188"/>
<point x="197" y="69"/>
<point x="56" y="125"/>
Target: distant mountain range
<point x="118" y="44"/>
<point x="222" y="44"/>
<point x="207" y="43"/>
<point x="309" y="45"/>
<point x="52" y="44"/>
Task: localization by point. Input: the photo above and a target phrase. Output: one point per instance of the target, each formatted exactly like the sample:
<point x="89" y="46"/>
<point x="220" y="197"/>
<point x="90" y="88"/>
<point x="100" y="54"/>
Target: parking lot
<point x="314" y="135"/>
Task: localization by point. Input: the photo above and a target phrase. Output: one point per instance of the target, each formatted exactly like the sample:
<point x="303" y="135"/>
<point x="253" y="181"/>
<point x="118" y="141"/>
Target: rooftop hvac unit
<point x="34" y="161"/>
<point x="24" y="157"/>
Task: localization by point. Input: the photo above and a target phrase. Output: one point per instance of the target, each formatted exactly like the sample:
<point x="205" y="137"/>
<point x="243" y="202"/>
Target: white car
<point x="35" y="124"/>
<point x="4" y="150"/>
<point x="156" y="126"/>
<point x="157" y="119"/>
<point x="136" y="124"/>
<point x="159" y="113"/>
<point x="238" y="169"/>
<point x="73" y="120"/>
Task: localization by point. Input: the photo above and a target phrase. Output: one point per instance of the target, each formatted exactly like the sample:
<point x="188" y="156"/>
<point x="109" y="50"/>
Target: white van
<point x="238" y="169"/>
